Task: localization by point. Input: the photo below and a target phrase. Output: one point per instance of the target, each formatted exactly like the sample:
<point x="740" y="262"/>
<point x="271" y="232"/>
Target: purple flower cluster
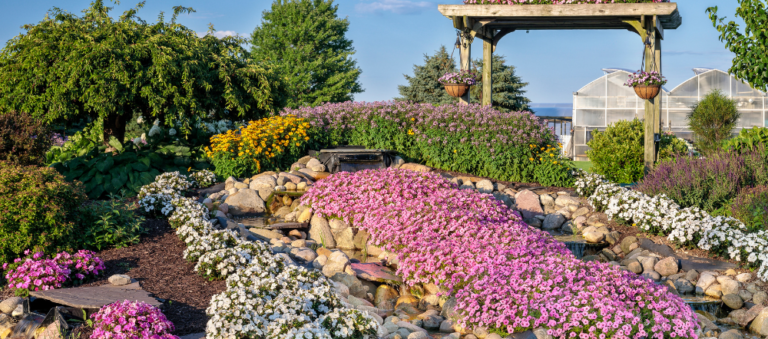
<point x="38" y="272"/>
<point x="505" y="275"/>
<point x="643" y="78"/>
<point x="555" y="2"/>
<point x="130" y="320"/>
<point x="462" y="77"/>
<point x="59" y="139"/>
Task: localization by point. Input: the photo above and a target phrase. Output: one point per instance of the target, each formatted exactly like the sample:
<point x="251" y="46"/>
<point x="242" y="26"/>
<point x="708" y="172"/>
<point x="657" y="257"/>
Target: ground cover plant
<point x="707" y="183"/>
<point x="470" y="139"/>
<point x="265" y="297"/>
<point x="689" y="227"/>
<point x="751" y="207"/>
<point x="505" y="275"/>
<point x="37" y="271"/>
<point x="131" y="319"/>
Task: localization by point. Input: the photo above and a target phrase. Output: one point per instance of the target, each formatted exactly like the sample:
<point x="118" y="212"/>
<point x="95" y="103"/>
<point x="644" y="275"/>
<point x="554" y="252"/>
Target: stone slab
<point x="375" y="272"/>
<point x="194" y="336"/>
<point x="96" y="297"/>
<point x="204" y="192"/>
<point x="289" y="226"/>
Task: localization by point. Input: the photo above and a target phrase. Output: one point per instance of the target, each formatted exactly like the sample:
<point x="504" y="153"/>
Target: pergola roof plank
<point x="578" y="16"/>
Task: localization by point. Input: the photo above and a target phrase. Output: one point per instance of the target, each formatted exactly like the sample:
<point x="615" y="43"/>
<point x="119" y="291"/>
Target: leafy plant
<point x="618" y="153"/>
<point x="751" y="207"/>
<point x="125" y="171"/>
<point x="307" y="43"/>
<point x="109" y="67"/>
<point x="23" y="139"/>
<point x="109" y="224"/>
<point x="751" y="46"/>
<point x="37" y="208"/>
<point x="77" y="145"/>
<point x="749" y="139"/>
<point x="712" y="120"/>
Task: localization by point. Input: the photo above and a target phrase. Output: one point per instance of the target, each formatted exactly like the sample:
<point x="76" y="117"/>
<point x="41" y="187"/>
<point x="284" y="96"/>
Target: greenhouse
<point x="606" y="100"/>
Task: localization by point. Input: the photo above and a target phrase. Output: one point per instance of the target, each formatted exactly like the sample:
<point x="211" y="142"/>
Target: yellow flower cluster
<point x="548" y="153"/>
<point x="262" y="140"/>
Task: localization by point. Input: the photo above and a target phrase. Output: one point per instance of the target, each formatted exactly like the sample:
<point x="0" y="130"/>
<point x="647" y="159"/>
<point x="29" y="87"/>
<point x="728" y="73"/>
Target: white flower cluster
<point x="202" y="179"/>
<point x="689" y="227"/>
<point x="289" y="303"/>
<point x="265" y="297"/>
<point x="218" y="127"/>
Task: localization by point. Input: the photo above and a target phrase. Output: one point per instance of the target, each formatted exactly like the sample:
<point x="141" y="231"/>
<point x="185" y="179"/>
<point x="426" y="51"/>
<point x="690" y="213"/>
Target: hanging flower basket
<point x="647" y="85"/>
<point x="457" y="84"/>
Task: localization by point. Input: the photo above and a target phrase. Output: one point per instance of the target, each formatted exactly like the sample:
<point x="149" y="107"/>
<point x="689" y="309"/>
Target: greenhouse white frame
<point x="606" y="100"/>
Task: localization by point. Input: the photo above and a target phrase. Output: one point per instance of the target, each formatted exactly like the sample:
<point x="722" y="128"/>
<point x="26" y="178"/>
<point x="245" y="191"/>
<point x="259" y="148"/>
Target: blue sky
<point x="390" y="36"/>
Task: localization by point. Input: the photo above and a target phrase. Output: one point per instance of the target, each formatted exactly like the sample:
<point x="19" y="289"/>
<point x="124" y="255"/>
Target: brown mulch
<point x="157" y="263"/>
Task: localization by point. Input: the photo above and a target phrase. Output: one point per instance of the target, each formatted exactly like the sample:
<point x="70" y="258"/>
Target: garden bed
<point x="157" y="263"/>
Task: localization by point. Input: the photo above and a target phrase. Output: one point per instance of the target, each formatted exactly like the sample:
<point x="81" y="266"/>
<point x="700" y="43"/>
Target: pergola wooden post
<point x="492" y="22"/>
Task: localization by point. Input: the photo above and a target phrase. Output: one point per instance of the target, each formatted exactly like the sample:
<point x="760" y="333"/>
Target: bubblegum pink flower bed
<point x="505" y="275"/>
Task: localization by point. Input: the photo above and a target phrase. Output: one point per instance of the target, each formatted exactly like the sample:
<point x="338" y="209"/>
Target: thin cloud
<point x="218" y="34"/>
<point x="394" y="6"/>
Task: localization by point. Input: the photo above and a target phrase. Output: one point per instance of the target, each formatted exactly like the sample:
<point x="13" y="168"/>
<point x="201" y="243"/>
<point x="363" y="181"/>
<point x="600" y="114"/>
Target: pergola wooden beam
<point x="492" y="22"/>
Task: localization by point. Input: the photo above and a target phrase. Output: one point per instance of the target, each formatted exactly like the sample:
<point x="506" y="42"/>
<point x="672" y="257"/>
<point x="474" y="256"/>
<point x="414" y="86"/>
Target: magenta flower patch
<point x="505" y="275"/>
<point x="129" y="320"/>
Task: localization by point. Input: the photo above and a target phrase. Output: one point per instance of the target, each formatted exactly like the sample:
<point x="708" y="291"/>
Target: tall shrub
<point x="469" y="139"/>
<point x="23" y="139"/>
<point x="618" y="153"/>
<point x="423" y="86"/>
<point x="712" y="120"/>
<point x="37" y="208"/>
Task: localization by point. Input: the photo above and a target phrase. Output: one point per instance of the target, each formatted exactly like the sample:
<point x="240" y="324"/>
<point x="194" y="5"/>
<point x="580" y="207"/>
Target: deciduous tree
<point x="751" y="45"/>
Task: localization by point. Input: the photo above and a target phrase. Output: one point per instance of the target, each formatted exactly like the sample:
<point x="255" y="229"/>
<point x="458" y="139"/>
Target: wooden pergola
<point x="492" y="22"/>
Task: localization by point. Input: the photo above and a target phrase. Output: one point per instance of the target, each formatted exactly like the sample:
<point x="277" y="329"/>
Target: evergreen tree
<point x="508" y="94"/>
<point x="423" y="86"/>
<point x="306" y="41"/>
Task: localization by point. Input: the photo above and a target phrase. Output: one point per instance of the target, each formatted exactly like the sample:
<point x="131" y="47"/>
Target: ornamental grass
<point x="505" y="275"/>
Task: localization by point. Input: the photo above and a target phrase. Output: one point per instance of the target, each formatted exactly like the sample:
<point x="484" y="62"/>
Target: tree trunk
<point x="114" y="126"/>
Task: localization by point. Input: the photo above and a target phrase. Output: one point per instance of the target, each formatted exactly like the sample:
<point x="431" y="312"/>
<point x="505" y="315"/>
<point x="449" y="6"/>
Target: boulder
<point x="306" y="255"/>
<point x="344" y="238"/>
<point x="626" y="242"/>
<point x="385" y="297"/>
<point x="744" y="277"/>
<point x="760" y="324"/>
<point x="553" y="222"/>
<point x="446" y="326"/>
<point x="653" y="275"/>
<point x="731" y="334"/>
<point x="484" y="186"/>
<point x="245" y="201"/>
<point x="290" y="177"/>
<point x="705" y="280"/>
<point x="760" y="298"/>
<point x="320" y="232"/>
<point x="750" y="315"/>
<point x="8" y="305"/>
<point x="376" y="273"/>
<point x="714" y="291"/>
<point x="546" y="200"/>
<point x="592" y="235"/>
<point x="635" y="266"/>
<point x="119" y="280"/>
<point x="733" y="301"/>
<point x="728" y="285"/>
<point x="415" y="167"/>
<point x="684" y="286"/>
<point x="667" y="266"/>
<point x="356" y="288"/>
<point x="565" y="200"/>
<point x="528" y="204"/>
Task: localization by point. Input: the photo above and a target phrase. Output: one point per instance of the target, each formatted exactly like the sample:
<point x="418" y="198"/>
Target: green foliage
<point x="751" y="207"/>
<point x="78" y="145"/>
<point x="751" y="46"/>
<point x="508" y="94"/>
<point x="126" y="170"/>
<point x="423" y="86"/>
<point x="712" y="120"/>
<point x="306" y="41"/>
<point x="748" y="140"/>
<point x="619" y="152"/>
<point x="69" y="67"/>
<point x="37" y="208"/>
<point x="109" y="224"/>
<point x="23" y="140"/>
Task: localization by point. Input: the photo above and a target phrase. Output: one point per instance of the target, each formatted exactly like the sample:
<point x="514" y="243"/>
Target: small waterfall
<point x="711" y="306"/>
<point x="577" y="248"/>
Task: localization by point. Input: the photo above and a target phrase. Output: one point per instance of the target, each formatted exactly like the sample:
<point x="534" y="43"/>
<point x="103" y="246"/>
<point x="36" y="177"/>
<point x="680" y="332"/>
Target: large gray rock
<point x="528" y="204"/>
<point x="564" y="200"/>
<point x="705" y="280"/>
<point x="265" y="192"/>
<point x="356" y="288"/>
<point x="728" y="285"/>
<point x="245" y="201"/>
<point x="684" y="286"/>
<point x="320" y="232"/>
<point x="547" y="201"/>
<point x="731" y="334"/>
<point x="760" y="298"/>
<point x="554" y="221"/>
